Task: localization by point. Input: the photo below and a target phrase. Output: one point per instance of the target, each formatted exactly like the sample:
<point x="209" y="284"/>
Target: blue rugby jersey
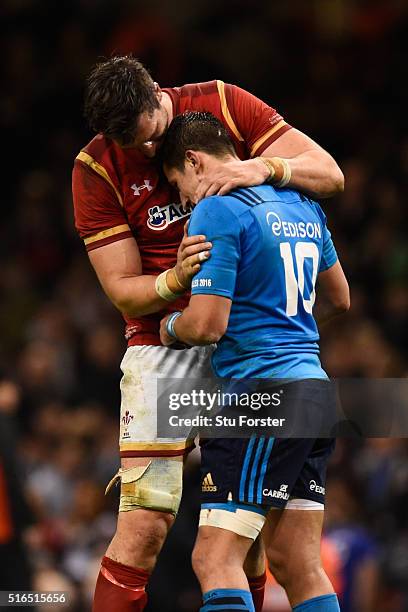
<point x="268" y="247"/>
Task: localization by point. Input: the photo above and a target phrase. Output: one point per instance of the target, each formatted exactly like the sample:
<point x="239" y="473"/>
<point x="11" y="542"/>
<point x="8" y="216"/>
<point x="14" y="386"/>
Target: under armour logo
<point x="137" y="189"/>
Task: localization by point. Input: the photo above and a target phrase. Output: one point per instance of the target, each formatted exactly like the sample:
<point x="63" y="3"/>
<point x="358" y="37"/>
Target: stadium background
<point x="335" y="69"/>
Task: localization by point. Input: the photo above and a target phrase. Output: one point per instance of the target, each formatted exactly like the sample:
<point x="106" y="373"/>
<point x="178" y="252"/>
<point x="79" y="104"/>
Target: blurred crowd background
<point x="335" y="69"/>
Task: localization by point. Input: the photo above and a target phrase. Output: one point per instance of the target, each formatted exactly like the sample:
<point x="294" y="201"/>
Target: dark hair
<point x="198" y="131"/>
<point x="118" y="91"/>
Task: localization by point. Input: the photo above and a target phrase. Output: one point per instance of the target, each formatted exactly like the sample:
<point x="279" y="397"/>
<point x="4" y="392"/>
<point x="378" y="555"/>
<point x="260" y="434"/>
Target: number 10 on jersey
<point x="294" y="287"/>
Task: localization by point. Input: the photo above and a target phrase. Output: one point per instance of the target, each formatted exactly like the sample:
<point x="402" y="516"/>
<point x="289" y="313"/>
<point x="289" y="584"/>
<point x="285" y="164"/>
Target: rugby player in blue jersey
<point x="255" y="298"/>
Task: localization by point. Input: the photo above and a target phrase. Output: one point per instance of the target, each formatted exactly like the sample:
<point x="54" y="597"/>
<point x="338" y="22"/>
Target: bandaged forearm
<point x="137" y="296"/>
<point x="279" y="170"/>
<point x="168" y="285"/>
<point x="313" y="172"/>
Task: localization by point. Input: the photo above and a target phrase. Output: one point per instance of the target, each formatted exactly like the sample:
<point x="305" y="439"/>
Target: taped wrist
<point x="279" y="170"/>
<point x="179" y="283"/>
<point x="163" y="290"/>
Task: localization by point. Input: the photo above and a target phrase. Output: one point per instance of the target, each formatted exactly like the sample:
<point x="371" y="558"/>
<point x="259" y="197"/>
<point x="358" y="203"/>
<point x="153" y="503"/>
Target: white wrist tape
<point x="287" y="173"/>
<point x="162" y="288"/>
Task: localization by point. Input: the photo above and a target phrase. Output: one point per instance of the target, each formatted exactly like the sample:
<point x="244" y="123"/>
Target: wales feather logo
<point x="126" y="420"/>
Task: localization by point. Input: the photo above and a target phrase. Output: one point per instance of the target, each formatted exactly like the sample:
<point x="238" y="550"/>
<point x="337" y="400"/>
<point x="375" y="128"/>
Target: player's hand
<point x="192" y="251"/>
<point x="231" y="175"/>
<point x="167" y="340"/>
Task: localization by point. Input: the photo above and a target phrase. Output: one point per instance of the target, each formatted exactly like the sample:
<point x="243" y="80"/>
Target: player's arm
<point x="114" y="253"/>
<point x="312" y="169"/>
<point x="205" y="319"/>
<point x="306" y="166"/>
<point x="333" y="297"/>
<point x="119" y="269"/>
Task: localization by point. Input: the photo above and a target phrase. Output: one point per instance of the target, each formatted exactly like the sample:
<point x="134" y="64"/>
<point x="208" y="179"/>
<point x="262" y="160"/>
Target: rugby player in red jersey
<point x="132" y="223"/>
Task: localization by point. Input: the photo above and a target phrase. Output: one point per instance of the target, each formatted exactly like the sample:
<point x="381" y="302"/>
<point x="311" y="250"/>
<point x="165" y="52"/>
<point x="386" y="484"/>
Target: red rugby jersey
<point x="119" y="193"/>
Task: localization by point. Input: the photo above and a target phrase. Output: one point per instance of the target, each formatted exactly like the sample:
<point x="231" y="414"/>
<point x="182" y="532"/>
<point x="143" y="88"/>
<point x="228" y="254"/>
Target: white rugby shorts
<point x="141" y="367"/>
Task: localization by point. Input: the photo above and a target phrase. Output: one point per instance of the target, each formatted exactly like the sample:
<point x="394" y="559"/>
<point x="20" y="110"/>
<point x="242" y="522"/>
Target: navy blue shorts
<point x="268" y="471"/>
<point x="264" y="471"/>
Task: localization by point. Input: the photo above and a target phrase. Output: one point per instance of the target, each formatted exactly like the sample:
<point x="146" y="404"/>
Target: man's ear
<point x="158" y="91"/>
<point x="193" y="159"/>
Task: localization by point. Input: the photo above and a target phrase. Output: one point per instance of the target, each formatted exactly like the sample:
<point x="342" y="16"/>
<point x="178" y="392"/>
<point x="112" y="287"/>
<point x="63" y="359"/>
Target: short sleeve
<point x="220" y="225"/>
<point x="99" y="216"/>
<point x="258" y="124"/>
<point x="329" y="255"/>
